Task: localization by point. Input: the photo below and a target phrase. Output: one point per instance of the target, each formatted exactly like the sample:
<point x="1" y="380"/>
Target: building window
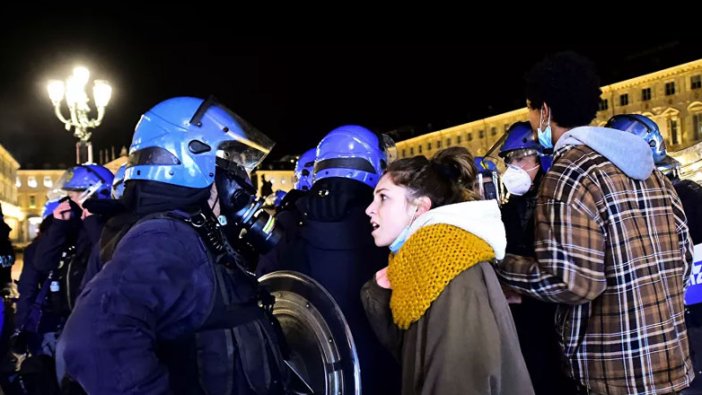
<point x="420" y="149"/>
<point x="32" y="201"/>
<point x="673" y="127"/>
<point x="448" y="142"/>
<point x="438" y="144"/>
<point x="493" y="131"/>
<point x="624" y="99"/>
<point x="18" y="181"/>
<point x="604" y="104"/>
<point x="696" y="82"/>
<point x="32" y="182"/>
<point x="428" y="146"/>
<point x="481" y="134"/>
<point x="646" y="94"/>
<point x="697" y="126"/>
<point x="48" y="182"/>
<point x="403" y="153"/>
<point x="458" y="139"/>
<point x="411" y="151"/>
<point x="670" y="88"/>
<point x="469" y="136"/>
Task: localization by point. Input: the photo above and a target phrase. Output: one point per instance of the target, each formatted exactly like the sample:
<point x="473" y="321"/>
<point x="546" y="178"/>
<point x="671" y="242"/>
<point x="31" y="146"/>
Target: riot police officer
<point x="174" y="309"/>
<point x="333" y="243"/>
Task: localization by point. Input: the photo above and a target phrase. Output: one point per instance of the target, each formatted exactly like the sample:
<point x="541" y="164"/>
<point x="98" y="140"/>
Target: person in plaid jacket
<point x="612" y="243"/>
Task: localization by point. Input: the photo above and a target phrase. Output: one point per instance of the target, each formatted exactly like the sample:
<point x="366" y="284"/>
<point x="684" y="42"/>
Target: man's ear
<point x="546" y="111"/>
<point x="423" y="205"/>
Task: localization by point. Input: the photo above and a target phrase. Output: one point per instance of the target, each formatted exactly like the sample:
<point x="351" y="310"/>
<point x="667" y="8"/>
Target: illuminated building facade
<point x="671" y="97"/>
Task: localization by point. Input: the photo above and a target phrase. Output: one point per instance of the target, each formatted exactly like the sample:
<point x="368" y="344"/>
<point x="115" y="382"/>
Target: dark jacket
<point x="157" y="287"/>
<point x="329" y="239"/>
<point x="7" y="252"/>
<point x="690" y="194"/>
<point x="30" y="282"/>
<point x="83" y="235"/>
<point x="144" y="323"/>
<point x="518" y="217"/>
<point x="62" y="234"/>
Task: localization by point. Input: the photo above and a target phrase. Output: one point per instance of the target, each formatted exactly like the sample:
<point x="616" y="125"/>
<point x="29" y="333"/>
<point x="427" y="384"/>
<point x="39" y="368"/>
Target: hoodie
<point x="628" y="152"/>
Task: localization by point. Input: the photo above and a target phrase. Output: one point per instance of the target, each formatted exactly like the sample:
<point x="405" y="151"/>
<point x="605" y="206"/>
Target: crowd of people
<point x="564" y="273"/>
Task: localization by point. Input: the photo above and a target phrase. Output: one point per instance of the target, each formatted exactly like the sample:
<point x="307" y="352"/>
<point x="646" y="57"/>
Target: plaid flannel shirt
<point x="615" y="252"/>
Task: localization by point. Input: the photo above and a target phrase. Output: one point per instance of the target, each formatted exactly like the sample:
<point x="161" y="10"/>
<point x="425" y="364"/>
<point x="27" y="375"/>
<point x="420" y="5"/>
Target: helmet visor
<point x="55" y="194"/>
<point x="246" y="146"/>
<point x="78" y="178"/>
<point x="631" y="124"/>
<point x="388" y="145"/>
<point x="242" y="153"/>
<point x="519" y="153"/>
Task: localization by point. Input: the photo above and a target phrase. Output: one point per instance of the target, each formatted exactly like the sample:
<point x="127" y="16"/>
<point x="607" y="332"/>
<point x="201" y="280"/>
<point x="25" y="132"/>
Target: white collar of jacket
<point x="628" y="152"/>
<point x="480" y="217"/>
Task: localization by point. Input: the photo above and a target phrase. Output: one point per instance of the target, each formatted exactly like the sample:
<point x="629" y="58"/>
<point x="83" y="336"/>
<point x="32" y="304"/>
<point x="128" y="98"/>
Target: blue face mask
<point x="545" y="134"/>
<point x="402" y="237"/>
<point x="400" y="240"/>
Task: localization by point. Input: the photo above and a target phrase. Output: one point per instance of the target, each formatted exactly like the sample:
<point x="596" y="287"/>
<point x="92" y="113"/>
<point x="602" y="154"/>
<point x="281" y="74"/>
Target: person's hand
<point x="381" y="277"/>
<point x="18" y="342"/>
<point x="85" y="214"/>
<point x="512" y="296"/>
<point x="9" y="291"/>
<point x="63" y="211"/>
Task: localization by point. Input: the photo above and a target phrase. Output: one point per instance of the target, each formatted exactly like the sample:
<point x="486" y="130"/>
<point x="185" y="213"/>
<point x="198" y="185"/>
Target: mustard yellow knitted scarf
<point x="426" y="263"/>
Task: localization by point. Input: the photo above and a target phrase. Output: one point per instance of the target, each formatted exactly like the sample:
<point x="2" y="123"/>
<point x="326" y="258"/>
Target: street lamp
<point x="73" y="91"/>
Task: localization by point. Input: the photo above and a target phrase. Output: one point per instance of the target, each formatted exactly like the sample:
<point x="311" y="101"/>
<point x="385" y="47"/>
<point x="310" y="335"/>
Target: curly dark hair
<point x="569" y="84"/>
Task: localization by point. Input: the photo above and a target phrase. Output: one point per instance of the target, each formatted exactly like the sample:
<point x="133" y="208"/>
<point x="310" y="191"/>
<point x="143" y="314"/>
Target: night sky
<point x="293" y="90"/>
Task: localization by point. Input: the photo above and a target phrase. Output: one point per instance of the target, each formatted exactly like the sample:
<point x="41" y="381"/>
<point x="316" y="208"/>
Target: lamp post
<point x="73" y="91"/>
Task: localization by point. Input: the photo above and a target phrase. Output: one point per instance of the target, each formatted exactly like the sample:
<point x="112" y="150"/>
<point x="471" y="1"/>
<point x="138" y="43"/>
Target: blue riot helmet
<point x="118" y="182"/>
<point x="643" y="127"/>
<point x="193" y="143"/>
<point x="178" y="140"/>
<point x="49" y="207"/>
<point x="520" y="137"/>
<point x="304" y="168"/>
<point x="520" y="142"/>
<point x="488" y="179"/>
<point x="352" y="151"/>
<point x="94" y="181"/>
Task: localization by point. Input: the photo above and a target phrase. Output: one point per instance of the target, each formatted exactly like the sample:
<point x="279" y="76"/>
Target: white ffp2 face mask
<point x="517" y="180"/>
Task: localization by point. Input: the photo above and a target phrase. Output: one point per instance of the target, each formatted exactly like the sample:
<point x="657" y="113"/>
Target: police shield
<point x="323" y="358"/>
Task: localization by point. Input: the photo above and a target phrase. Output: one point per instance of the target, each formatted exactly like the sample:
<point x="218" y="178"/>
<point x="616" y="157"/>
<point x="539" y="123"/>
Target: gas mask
<point x="242" y="216"/>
